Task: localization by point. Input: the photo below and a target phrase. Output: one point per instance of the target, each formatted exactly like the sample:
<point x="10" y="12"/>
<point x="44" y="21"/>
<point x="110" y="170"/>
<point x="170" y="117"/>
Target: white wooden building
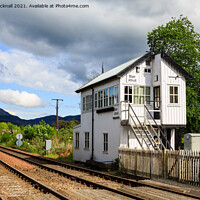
<point x="138" y="104"/>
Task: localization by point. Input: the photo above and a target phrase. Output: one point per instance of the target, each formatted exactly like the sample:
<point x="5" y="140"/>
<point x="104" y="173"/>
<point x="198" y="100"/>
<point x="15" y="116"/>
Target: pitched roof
<point x="123" y="68"/>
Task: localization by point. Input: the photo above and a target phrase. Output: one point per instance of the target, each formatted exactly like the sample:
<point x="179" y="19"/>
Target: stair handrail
<point x="158" y="127"/>
<point x="155" y="132"/>
<point x="138" y="131"/>
<point x="141" y="125"/>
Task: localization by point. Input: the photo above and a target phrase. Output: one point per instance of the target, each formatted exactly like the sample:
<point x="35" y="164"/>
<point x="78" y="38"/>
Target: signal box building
<point x="139" y="104"/>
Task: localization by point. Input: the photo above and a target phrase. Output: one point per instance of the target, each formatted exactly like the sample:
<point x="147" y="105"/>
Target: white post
<point x="173" y="138"/>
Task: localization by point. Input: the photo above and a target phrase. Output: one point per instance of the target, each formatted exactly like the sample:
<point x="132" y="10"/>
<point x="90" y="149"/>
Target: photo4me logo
<point x="43" y="6"/>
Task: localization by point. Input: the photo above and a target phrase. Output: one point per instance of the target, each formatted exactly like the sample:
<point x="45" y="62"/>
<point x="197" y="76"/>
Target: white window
<point x="87" y="102"/>
<point x="128" y="93"/>
<point x="86" y="140"/>
<point x="105" y="142"/>
<point x="105" y="97"/>
<point x="100" y="99"/>
<point x="141" y="95"/>
<point x="137" y="70"/>
<point x="111" y="95"/>
<point x="147" y="70"/>
<point x="116" y="96"/>
<point x="77" y="140"/>
<point x="84" y="104"/>
<point x="96" y="100"/>
<point x="173" y="94"/>
<point x="148" y="62"/>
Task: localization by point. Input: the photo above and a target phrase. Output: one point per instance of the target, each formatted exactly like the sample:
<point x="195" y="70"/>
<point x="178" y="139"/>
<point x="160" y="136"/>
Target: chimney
<point x="102" y="68"/>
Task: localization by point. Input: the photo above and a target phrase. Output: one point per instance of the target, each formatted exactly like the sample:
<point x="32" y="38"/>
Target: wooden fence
<point x="183" y="166"/>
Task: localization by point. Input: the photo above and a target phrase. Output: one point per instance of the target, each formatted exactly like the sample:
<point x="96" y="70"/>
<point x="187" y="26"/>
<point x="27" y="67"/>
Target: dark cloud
<point x="109" y="31"/>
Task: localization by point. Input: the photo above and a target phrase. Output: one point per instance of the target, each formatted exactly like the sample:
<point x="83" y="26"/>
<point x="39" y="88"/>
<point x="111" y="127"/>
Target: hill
<point x="7" y="117"/>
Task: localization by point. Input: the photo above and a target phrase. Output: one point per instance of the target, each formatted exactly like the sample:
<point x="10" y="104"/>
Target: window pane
<point x="176" y="99"/>
<point x="86" y="140"/>
<point x="126" y="90"/>
<point x="136" y="100"/>
<point x="147" y="99"/>
<point x="112" y="101"/>
<point x="105" y="142"/>
<point x="126" y="97"/>
<point x="130" y="98"/>
<point x="116" y="95"/>
<point x="142" y="100"/>
<point x="171" y="98"/>
<point x="175" y="90"/>
<point x="83" y="103"/>
<point x="130" y="90"/>
<point x="116" y="90"/>
<point x="96" y="100"/>
<point x="141" y="90"/>
<point x="136" y="90"/>
<point x="171" y="90"/>
<point x="105" y="102"/>
<point x="147" y="90"/>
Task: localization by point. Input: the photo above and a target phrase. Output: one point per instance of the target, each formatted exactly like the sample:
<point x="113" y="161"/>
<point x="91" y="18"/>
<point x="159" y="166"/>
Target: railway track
<point x="121" y="186"/>
<point x="12" y="187"/>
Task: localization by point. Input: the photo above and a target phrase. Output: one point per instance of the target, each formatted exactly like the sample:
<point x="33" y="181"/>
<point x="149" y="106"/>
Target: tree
<point x="180" y="41"/>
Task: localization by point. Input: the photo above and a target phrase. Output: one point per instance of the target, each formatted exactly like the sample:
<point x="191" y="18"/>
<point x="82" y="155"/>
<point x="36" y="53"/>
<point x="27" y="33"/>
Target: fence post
<point x="164" y="163"/>
<point x="179" y="168"/>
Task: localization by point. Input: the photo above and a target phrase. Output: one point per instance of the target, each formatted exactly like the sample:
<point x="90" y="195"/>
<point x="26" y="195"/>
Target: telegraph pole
<point x="57" y="112"/>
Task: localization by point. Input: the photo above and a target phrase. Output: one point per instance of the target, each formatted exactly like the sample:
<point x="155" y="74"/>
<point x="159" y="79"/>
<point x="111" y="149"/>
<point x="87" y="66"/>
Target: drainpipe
<point x="92" y="157"/>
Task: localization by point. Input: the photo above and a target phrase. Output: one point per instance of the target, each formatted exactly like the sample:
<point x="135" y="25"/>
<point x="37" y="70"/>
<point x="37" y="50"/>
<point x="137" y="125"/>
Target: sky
<point x="48" y="53"/>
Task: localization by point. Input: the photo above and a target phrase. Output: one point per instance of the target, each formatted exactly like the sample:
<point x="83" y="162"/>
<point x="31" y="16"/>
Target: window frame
<point x="87" y="103"/>
<point x="106" y="97"/>
<point x="84" y="104"/>
<point x="141" y="96"/>
<point x="129" y="93"/>
<point x="105" y="142"/>
<point x="147" y="70"/>
<point x="76" y="140"/>
<point x="173" y="95"/>
<point x="96" y="100"/>
<point x="100" y="99"/>
<point x="87" y="140"/>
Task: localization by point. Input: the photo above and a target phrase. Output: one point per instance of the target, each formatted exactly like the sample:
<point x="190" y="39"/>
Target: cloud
<point x="108" y="31"/>
<point x="35" y="72"/>
<point x="20" y="99"/>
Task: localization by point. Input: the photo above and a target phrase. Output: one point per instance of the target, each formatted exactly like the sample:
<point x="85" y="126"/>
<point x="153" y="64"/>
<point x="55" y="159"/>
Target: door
<point x="157" y="102"/>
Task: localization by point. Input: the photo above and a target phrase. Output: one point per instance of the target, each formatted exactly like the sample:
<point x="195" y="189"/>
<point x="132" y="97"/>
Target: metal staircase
<point x="145" y="132"/>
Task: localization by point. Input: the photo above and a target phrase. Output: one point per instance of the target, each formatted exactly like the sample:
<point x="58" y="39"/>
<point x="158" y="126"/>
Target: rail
<point x="125" y="181"/>
<point x="34" y="182"/>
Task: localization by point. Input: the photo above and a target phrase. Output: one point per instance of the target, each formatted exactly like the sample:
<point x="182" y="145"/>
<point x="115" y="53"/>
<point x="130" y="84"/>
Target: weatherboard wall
<point x="103" y="123"/>
<point x="172" y="114"/>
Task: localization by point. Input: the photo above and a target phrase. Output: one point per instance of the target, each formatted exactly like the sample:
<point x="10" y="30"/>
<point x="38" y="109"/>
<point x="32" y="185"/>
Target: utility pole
<point x="57" y="112"/>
